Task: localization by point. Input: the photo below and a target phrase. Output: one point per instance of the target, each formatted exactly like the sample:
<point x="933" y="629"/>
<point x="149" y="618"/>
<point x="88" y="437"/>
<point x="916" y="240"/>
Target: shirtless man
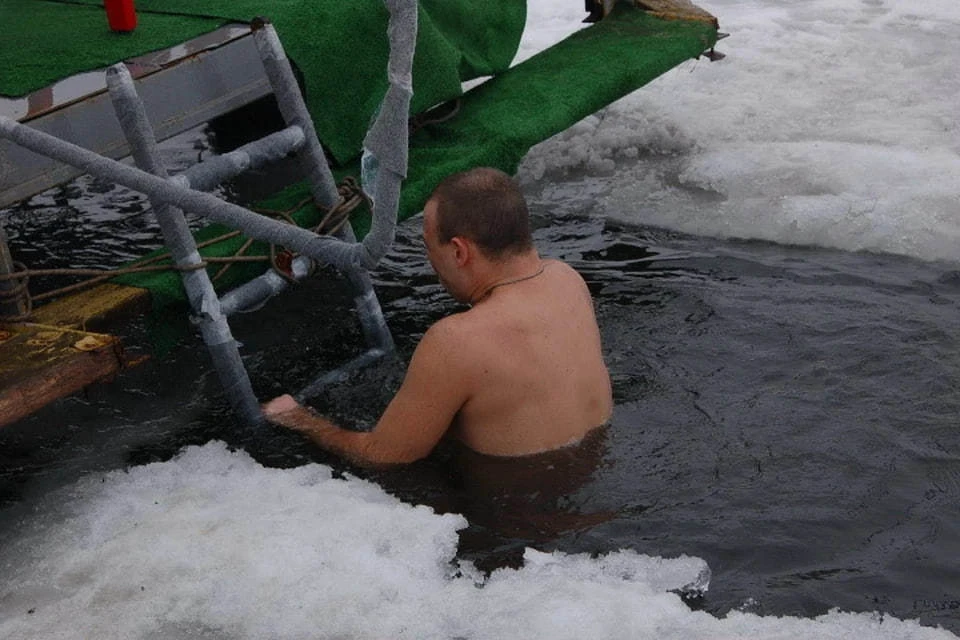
<point x="520" y="372"/>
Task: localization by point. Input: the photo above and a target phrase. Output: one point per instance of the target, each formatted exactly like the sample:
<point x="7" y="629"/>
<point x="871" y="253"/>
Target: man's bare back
<point x="531" y="366"/>
<point x="520" y="372"/>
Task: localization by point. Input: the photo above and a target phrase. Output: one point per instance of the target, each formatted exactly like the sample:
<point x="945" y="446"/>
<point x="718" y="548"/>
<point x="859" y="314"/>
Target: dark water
<point x="787" y="414"/>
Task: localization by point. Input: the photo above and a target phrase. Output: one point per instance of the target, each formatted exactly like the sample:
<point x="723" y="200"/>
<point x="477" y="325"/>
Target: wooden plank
<point x="41" y="363"/>
<point x="96" y="309"/>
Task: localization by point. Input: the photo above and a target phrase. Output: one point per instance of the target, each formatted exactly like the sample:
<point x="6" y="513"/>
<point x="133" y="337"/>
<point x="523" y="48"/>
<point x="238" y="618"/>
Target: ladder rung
<point x="213" y="172"/>
<point x="253" y="293"/>
<point x="362" y="361"/>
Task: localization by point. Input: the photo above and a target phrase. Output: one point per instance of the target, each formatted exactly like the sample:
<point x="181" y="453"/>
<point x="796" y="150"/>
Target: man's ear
<point x="462" y="251"/>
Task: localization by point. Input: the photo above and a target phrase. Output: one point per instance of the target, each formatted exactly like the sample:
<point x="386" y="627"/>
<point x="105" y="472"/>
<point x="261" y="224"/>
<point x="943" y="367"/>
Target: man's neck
<point x="503" y="273"/>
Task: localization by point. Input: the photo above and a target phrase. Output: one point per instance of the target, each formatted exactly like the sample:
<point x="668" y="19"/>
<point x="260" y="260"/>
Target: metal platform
<point x="183" y="87"/>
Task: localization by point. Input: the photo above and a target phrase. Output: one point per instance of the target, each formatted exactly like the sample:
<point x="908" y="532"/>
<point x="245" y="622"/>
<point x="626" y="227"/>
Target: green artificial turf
<point x="340" y="46"/>
<point x="47" y="41"/>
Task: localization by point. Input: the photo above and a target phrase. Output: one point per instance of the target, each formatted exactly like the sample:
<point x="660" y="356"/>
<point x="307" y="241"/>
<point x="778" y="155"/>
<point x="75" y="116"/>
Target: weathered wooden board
<point x="96" y="309"/>
<point x="41" y="363"/>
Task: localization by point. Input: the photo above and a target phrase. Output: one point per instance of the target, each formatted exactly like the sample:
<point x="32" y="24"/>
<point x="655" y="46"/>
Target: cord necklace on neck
<point x="490" y="289"/>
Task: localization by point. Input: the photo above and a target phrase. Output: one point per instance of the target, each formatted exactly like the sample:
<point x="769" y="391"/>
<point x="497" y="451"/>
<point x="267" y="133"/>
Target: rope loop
<point x="351" y="196"/>
<point x="434" y="116"/>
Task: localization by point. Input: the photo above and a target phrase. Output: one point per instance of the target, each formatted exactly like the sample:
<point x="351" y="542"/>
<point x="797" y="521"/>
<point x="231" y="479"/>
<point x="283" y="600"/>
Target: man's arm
<point x="432" y="392"/>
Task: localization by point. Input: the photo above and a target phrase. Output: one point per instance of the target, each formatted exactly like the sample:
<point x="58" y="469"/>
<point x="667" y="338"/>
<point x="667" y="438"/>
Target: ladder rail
<point x="204" y="302"/>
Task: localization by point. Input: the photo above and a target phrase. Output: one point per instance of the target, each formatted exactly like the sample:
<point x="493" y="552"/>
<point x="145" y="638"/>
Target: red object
<point x="284" y="262"/>
<point x="121" y="15"/>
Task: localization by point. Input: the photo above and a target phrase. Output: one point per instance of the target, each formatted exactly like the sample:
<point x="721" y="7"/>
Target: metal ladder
<point x="384" y="166"/>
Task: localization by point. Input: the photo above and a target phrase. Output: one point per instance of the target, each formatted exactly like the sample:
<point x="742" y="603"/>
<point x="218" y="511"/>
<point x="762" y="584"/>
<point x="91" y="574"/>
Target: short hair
<point x="486" y="206"/>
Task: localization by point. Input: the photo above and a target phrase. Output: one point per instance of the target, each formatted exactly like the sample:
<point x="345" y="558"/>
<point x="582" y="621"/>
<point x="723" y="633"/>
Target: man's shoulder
<point x="448" y="346"/>
<point x="458" y="336"/>
<point x="448" y="331"/>
<point x="453" y="327"/>
<point x="562" y="267"/>
<point x="567" y="277"/>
